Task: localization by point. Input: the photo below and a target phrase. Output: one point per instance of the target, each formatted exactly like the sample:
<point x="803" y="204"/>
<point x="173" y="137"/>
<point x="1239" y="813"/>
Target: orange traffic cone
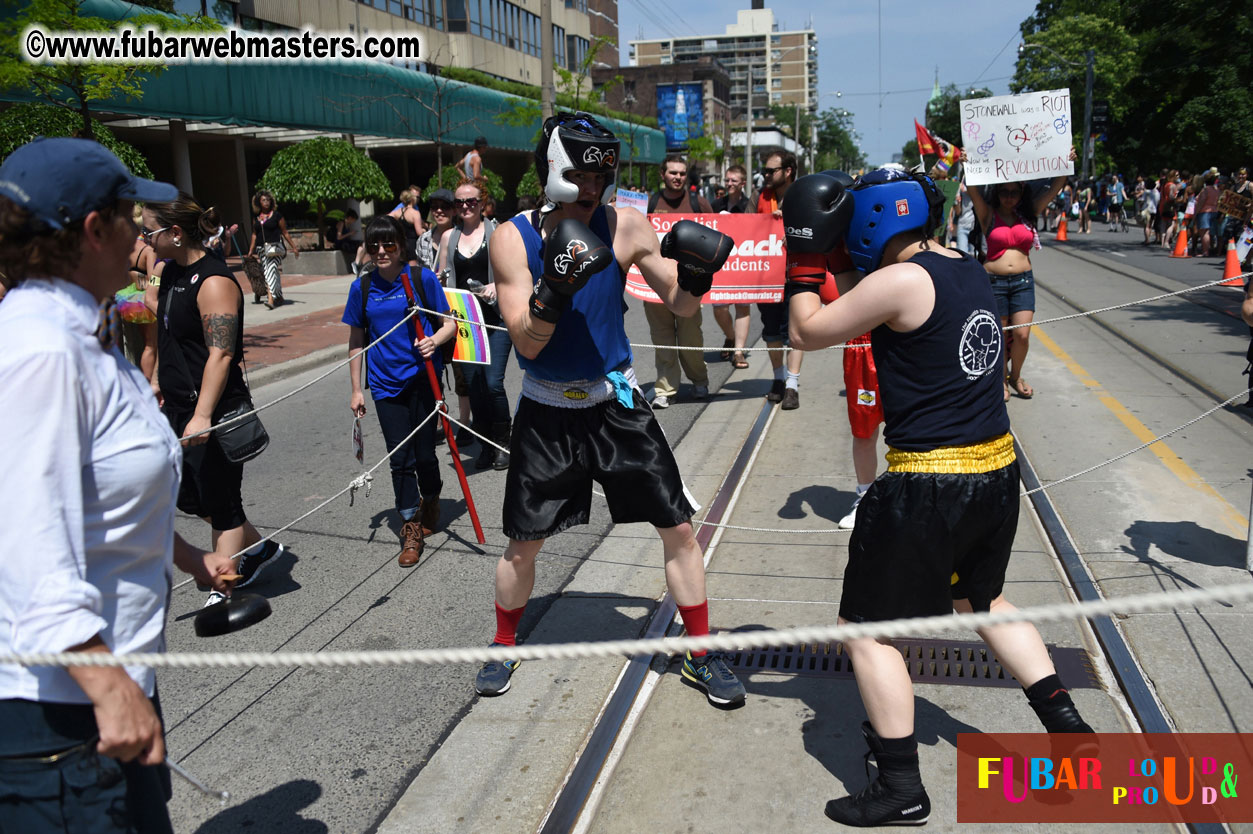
<point x="1061" y="230"/>
<point x="1181" y="243"/>
<point x="1231" y="270"/>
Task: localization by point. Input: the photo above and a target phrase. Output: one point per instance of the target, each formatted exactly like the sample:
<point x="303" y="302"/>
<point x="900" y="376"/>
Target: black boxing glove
<point x="572" y="255"/>
<point x="700" y="252"/>
<point x="816" y="216"/>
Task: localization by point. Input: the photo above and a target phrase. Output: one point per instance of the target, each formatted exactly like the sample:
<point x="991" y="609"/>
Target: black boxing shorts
<point x="923" y="539"/>
<point x="556" y="453"/>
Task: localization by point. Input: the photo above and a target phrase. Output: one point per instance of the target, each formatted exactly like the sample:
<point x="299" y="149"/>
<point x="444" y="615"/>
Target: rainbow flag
<point x="131" y="307"/>
<point x="472" y="345"/>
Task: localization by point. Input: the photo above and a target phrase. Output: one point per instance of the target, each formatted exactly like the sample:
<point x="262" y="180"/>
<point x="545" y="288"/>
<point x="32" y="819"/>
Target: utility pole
<point x="796" y="135"/>
<point x="1087" y="114"/>
<point x="748" y="132"/>
<point x="546" y="58"/>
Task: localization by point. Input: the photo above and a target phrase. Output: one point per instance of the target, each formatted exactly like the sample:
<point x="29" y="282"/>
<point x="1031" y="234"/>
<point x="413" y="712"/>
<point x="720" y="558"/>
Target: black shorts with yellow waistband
<point x="937" y="526"/>
<point x="556" y="454"/>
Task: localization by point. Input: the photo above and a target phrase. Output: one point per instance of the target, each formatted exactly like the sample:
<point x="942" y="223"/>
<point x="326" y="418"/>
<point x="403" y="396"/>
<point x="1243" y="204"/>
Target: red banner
<point x="753" y="273"/>
<point x="1019" y="778"/>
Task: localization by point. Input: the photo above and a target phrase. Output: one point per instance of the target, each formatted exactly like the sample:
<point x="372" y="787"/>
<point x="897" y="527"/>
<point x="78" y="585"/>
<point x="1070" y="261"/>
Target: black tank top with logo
<point x="941" y="384"/>
<point x="181" y="344"/>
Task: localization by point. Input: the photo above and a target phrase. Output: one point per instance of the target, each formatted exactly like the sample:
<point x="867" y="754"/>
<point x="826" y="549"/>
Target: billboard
<point x="681" y="113"/>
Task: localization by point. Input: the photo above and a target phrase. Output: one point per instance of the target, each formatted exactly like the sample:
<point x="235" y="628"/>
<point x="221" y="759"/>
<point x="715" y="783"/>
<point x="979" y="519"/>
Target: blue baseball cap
<point x="62" y="180"/>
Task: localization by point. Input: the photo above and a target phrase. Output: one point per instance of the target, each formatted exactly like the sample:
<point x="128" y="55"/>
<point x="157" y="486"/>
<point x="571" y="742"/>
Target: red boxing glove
<point x="837" y="261"/>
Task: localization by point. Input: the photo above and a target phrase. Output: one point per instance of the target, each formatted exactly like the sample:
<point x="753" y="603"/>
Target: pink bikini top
<point x="1002" y="237"/>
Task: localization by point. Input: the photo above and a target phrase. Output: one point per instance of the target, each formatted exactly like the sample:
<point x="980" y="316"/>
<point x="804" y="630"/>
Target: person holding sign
<point x="582" y="417"/>
<point x="1007" y="217"/>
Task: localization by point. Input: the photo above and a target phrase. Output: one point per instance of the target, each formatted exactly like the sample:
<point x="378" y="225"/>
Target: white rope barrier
<point x="726" y="641"/>
<point x="241" y="417"/>
<point x="361" y="481"/>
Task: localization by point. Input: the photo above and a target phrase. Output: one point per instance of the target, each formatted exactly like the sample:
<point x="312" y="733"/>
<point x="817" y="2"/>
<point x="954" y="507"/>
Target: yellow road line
<point x="1232" y="516"/>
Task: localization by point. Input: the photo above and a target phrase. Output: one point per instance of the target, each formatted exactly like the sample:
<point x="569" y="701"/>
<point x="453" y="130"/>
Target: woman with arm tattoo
<point x="200" y="317"/>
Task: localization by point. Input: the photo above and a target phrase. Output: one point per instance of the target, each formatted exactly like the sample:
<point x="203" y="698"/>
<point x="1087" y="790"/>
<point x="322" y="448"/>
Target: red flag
<point x="925" y="145"/>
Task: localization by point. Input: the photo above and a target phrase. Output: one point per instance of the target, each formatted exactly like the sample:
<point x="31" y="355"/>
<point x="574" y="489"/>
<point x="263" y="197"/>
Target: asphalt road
<point x="331" y="750"/>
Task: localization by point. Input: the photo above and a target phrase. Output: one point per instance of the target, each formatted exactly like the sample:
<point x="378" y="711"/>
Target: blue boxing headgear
<point x="887" y="202"/>
<point x="575" y="142"/>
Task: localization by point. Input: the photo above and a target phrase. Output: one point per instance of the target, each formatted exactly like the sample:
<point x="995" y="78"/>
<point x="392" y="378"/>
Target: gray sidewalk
<point x="688" y="766"/>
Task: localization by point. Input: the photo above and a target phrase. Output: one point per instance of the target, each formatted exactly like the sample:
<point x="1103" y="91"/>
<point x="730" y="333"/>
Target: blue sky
<point x="916" y="39"/>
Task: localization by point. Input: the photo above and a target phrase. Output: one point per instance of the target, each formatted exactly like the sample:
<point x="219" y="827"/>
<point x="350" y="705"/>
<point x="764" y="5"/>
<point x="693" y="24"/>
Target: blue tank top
<point x="590" y="338"/>
<point x="941" y="384"/>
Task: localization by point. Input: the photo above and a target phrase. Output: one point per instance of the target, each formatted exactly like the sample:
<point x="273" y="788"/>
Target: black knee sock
<point x="1045" y="689"/>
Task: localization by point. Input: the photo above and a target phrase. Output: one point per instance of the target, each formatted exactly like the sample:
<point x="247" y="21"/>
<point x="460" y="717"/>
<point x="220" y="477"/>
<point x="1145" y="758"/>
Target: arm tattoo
<point x="220" y="330"/>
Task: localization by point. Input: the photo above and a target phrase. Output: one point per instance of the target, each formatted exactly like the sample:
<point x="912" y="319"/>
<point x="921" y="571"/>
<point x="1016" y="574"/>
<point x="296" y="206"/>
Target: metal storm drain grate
<point x="957" y="662"/>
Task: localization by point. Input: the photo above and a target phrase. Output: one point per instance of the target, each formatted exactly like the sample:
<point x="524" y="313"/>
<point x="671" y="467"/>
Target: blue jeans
<point x="414" y="467"/>
<point x="488" y="402"/>
<point x="1013" y="293"/>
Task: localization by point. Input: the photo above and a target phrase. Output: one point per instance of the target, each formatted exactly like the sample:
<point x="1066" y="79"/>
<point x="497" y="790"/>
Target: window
<point x="456" y="10"/>
<point x="559" y="46"/>
<point x="776" y="83"/>
<point x="776" y="96"/>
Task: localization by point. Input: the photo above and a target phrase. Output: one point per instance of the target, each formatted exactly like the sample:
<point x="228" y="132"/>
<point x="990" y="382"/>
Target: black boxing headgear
<point x="575" y="142"/>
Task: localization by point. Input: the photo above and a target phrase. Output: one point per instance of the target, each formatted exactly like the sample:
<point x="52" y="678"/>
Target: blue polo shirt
<point x="394" y="362"/>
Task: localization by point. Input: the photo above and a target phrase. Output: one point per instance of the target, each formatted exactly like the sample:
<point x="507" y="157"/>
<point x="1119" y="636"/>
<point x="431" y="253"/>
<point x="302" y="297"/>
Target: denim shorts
<point x="1014" y="293"/>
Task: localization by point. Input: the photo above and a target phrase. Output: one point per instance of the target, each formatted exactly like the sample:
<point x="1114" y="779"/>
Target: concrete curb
<point x="283" y="370"/>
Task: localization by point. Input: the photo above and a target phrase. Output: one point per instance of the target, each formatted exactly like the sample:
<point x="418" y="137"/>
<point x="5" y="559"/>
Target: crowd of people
<point x="116" y="448"/>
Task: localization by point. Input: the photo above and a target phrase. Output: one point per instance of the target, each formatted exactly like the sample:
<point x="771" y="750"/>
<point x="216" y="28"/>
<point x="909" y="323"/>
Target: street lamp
<point x="1090" y="62"/>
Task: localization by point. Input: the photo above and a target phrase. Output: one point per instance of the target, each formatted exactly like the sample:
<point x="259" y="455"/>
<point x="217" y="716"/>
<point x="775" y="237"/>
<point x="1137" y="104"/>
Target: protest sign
<point x="1020" y="137"/>
<point x="632" y="199"/>
<point x="1236" y="205"/>
<point x="753" y="273"/>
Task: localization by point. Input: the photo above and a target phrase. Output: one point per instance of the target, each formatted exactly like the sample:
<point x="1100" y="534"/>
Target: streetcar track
<point x="1145" y="351"/>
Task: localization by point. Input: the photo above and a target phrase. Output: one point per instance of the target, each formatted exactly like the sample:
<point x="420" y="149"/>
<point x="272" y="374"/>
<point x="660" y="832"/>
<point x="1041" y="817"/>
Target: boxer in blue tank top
<point x="582" y="417"/>
<point x="934" y="533"/>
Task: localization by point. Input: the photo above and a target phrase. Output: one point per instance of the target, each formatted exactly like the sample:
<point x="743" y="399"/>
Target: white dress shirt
<point x="87" y="498"/>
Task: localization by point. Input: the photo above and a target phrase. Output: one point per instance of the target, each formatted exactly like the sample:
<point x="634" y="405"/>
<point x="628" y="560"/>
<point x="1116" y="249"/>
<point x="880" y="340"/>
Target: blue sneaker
<point x="251" y="564"/>
<point x="493" y="678"/>
<point x="712" y="674"/>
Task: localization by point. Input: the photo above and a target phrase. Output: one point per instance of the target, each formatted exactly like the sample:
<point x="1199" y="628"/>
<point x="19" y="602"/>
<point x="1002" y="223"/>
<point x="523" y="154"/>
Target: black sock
<point x="1046" y="689"/>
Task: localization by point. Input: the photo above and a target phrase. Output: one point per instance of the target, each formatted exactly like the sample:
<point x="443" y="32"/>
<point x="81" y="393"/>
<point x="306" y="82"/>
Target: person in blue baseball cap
<point x="934" y="533"/>
<point x="87" y="536"/>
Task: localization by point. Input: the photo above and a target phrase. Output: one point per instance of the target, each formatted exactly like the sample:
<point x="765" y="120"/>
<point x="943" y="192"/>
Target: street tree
<point x="22" y="123"/>
<point x="322" y="169"/>
<point x="77" y="87"/>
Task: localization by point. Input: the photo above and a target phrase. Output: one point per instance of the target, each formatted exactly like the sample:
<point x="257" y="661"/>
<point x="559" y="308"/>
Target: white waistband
<point x="578" y="393"/>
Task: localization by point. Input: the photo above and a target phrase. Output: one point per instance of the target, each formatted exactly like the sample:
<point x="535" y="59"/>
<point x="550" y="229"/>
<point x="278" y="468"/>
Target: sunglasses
<point x="472" y="202"/>
<point x="388" y="246"/>
<point x="149" y="235"/>
<point x="444" y="207"/>
<point x="769" y="172"/>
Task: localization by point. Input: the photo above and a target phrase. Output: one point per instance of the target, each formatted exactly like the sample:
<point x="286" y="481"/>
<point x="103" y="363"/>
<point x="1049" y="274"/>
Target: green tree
<point x="944" y="118"/>
<point x="837" y="143"/>
<point x="909" y="154"/>
<point x="76" y="87"/>
<point x="322" y="169"/>
<point x="23" y="122"/>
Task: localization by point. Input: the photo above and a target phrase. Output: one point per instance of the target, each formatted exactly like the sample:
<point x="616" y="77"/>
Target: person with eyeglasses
<point x="440" y="213"/>
<point x="780" y="173"/>
<point x="463" y="258"/>
<point x="396" y="367"/>
<point x="199" y="375"/>
<point x="87" y="538"/>
<point x="1007" y="216"/>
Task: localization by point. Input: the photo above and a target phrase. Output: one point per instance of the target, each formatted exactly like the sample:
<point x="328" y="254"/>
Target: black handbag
<point x="244" y="440"/>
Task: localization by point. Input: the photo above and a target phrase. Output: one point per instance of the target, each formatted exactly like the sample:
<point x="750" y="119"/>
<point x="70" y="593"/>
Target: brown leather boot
<point x="428" y="514"/>
<point x="410" y="544"/>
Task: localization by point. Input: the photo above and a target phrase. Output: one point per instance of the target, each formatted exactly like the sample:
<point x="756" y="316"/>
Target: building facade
<point x="766" y="66"/>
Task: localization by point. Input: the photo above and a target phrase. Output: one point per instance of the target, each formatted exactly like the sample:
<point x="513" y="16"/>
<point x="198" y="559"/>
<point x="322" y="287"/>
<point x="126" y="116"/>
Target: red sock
<point x="696" y="621"/>
<point x="507" y="625"/>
